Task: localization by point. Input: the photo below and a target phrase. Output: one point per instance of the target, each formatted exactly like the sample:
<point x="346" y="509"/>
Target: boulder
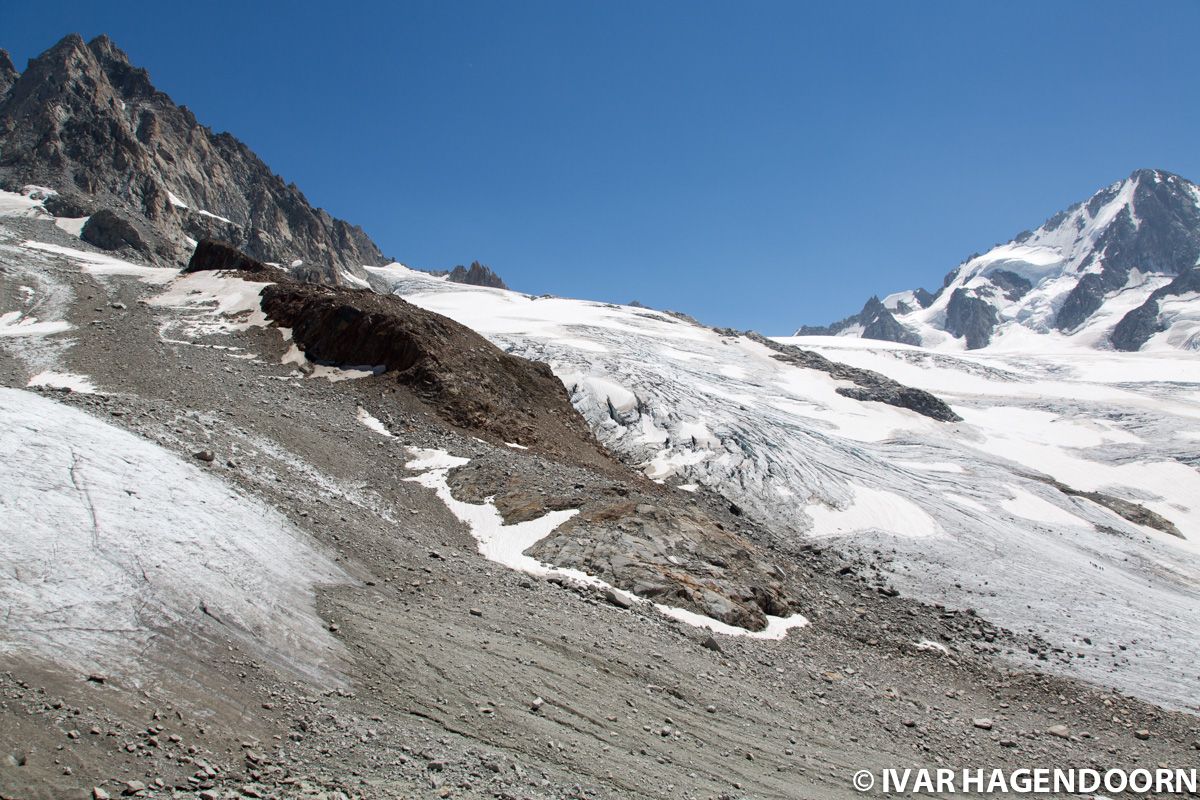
<point x="109" y="230"/>
<point x="213" y="255"/>
<point x="69" y="206"/>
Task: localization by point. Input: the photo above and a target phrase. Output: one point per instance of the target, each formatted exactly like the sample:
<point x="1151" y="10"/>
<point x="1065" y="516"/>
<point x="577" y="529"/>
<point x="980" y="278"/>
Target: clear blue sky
<point x="760" y="164"/>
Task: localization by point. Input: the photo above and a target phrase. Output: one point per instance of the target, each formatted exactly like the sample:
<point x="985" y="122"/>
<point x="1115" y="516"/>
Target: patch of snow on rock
<point x="63" y="380"/>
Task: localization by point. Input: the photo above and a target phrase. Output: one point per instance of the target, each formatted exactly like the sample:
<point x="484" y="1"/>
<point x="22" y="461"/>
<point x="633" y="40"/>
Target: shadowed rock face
<point x="212" y="255"/>
<point x="1013" y="285"/>
<point x="971" y="318"/>
<point x="1136" y="327"/>
<point x="110" y="231"/>
<point x="81" y="118"/>
<point x="466" y="379"/>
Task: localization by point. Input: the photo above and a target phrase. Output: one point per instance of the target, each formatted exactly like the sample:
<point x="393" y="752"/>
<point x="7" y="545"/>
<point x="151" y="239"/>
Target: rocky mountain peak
<point x="1117" y="249"/>
<point x="476" y="275"/>
<point x="83" y="120"/>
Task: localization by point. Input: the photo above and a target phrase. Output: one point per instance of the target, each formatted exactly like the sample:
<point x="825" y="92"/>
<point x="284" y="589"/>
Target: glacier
<point x="988" y="513"/>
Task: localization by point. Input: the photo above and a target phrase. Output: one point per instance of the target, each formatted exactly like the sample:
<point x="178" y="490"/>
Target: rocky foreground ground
<point x="458" y="677"/>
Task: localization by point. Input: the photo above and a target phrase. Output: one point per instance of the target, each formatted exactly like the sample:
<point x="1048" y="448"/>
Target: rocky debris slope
<point x="84" y="121"/>
<point x="1094" y="274"/>
<point x="469" y="381"/>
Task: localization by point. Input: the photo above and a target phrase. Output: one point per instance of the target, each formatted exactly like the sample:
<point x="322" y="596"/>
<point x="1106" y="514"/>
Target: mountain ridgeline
<point x="85" y="123"/>
<point x="1117" y="271"/>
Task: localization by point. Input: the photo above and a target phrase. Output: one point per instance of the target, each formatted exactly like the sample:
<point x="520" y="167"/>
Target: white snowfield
<point x="1053" y="258"/>
<point x="107" y="540"/>
<point x="961" y="511"/>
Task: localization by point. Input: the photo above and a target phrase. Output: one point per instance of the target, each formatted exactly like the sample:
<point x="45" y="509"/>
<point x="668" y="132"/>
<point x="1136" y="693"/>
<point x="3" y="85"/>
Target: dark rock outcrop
<point x="868" y="385"/>
<point x="1013" y="285"/>
<point x="1164" y="238"/>
<point x="924" y="297"/>
<point x="971" y="318"/>
<point x="877" y="323"/>
<point x="1136" y="327"/>
<point x="466" y="379"/>
<point x="211" y="255"/>
<point x="82" y="118"/>
<point x="476" y="275"/>
<point x="1082" y="301"/>
<point x="109" y="230"/>
<point x="1133" y="512"/>
<point x="68" y="205"/>
<point x="670" y="555"/>
<point x="883" y="326"/>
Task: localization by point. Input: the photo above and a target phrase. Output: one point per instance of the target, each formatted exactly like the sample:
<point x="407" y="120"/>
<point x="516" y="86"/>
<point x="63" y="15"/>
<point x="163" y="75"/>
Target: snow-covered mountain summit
<point x="1118" y="271"/>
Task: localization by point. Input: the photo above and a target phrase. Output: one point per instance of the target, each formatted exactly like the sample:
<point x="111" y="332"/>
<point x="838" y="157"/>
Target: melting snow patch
<point x="934" y="647"/>
<point x="333" y="374"/>
<point x="351" y="279"/>
<point x="72" y="225"/>
<point x="13" y="204"/>
<point x="102" y="265"/>
<point x="14" y="323"/>
<point x="330" y="372"/>
<point x="777" y="627"/>
<point x="372" y="422"/>
<point x="214" y="303"/>
<point x="63" y="380"/>
<point x="506" y="544"/>
<point x="515" y="446"/>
